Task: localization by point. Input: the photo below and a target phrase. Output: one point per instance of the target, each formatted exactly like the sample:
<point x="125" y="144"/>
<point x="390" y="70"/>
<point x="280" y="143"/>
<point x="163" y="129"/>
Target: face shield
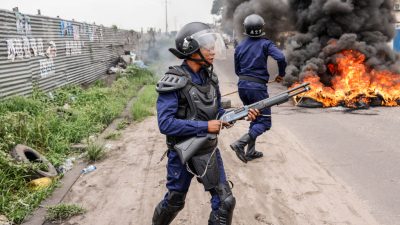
<point x="210" y="40"/>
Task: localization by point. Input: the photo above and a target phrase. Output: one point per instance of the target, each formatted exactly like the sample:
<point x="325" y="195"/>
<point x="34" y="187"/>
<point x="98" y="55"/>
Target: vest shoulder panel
<point x="174" y="79"/>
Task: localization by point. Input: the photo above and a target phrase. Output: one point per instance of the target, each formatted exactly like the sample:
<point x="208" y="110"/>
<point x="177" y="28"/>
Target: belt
<point x="253" y="79"/>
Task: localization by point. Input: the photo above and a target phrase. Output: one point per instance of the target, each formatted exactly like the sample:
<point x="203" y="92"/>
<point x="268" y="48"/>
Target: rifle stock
<point x="188" y="148"/>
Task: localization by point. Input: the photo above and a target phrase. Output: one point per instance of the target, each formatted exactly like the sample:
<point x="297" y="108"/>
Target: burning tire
<point x="309" y="103"/>
<point x="25" y="154"/>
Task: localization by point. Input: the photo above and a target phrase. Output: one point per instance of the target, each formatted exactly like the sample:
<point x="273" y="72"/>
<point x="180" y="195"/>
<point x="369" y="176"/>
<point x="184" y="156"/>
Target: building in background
<point x="396" y="11"/>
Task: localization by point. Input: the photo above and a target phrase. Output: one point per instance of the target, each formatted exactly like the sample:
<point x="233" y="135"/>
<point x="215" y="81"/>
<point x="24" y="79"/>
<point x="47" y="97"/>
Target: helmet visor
<point x="211" y="41"/>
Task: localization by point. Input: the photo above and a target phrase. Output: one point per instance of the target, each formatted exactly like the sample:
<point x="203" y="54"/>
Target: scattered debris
<point x="40" y="183"/>
<point x="115" y="69"/>
<point x="26" y="154"/>
<point x="140" y="64"/>
<point x="51" y="95"/>
<point x="126" y="60"/>
<point x="89" y="169"/>
<point x="4" y="220"/>
<point x="67" y="165"/>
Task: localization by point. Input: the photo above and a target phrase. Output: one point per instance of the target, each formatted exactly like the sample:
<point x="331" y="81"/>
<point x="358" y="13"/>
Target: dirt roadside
<point x="285" y="187"/>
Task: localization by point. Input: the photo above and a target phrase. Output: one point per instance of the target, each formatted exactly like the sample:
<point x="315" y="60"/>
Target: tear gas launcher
<point x="186" y="149"/>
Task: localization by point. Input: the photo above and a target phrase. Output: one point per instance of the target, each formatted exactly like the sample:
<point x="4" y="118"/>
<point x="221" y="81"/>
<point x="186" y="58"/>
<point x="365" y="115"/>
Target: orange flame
<point x="353" y="82"/>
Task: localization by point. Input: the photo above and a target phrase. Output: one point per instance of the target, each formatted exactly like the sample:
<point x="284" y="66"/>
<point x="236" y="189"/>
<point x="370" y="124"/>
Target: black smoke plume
<point x="274" y="12"/>
<point x="323" y="28"/>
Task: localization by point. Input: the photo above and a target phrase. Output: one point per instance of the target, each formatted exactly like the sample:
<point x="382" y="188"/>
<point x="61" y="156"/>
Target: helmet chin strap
<point x="208" y="66"/>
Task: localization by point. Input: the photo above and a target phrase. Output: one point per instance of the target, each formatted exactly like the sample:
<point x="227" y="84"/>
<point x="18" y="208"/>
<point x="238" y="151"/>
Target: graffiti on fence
<point x="92" y="31"/>
<point x="40" y="47"/>
<point x="23" y="24"/>
<point x="33" y="46"/>
<point x="51" y="51"/>
<point x="26" y="47"/>
<point x="74" y="47"/>
<point x="47" y="67"/>
<point x="76" y="30"/>
<point x="19" y="48"/>
<point x="66" y="28"/>
<point x="101" y="33"/>
<point x="11" y="49"/>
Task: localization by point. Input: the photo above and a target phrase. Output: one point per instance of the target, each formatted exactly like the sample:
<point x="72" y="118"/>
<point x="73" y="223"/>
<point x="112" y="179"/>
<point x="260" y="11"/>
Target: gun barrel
<point x="303" y="85"/>
<point x="281" y="98"/>
<point x="297" y="92"/>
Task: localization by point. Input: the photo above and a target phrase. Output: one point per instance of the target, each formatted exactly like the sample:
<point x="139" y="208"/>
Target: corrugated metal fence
<point x="51" y="52"/>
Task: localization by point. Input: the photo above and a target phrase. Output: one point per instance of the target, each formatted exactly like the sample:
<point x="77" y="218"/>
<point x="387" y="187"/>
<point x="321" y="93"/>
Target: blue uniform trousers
<point x="178" y="178"/>
<point x="263" y="122"/>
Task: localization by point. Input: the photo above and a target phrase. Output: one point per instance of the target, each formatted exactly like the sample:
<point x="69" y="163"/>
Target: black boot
<point x="238" y="147"/>
<point x="251" y="151"/>
<point x="213" y="220"/>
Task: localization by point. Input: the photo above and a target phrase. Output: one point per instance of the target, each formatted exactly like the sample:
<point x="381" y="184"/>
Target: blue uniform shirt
<point x="251" y="57"/>
<point x="167" y="108"/>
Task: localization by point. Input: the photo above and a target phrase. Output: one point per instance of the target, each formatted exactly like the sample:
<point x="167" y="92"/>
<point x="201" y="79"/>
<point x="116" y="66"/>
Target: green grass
<point x="95" y="152"/>
<point x="122" y="124"/>
<point x="145" y="104"/>
<point x="63" y="211"/>
<point x="50" y="124"/>
<point x="113" y="136"/>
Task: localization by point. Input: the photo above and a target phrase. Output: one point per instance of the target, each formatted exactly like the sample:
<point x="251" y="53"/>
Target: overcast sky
<point x="127" y="14"/>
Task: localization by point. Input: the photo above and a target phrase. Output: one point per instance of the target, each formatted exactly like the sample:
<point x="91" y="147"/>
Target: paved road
<point x="361" y="147"/>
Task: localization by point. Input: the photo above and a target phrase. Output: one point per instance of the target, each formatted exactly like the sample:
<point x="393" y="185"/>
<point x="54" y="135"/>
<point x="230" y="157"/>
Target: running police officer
<point x="189" y="105"/>
<point x="251" y="57"/>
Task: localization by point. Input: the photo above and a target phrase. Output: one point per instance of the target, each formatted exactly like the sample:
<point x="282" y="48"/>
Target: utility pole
<point x="166" y="16"/>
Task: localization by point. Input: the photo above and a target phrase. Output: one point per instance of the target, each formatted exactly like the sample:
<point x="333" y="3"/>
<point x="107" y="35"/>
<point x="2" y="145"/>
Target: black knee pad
<point x="224" y="214"/>
<point x="165" y="212"/>
<point x="176" y="199"/>
<point x="229" y="203"/>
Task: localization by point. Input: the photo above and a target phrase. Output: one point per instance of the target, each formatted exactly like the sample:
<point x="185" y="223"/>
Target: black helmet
<point x="185" y="44"/>
<point x="194" y="36"/>
<point x="254" y="25"/>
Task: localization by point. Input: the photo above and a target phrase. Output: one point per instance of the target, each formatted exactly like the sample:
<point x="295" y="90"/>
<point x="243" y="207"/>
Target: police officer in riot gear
<point x="188" y="105"/>
<point x="251" y="57"/>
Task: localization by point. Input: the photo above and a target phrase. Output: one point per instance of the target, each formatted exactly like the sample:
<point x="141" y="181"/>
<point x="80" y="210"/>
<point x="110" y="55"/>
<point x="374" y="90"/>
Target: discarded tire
<point x="25" y="154"/>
